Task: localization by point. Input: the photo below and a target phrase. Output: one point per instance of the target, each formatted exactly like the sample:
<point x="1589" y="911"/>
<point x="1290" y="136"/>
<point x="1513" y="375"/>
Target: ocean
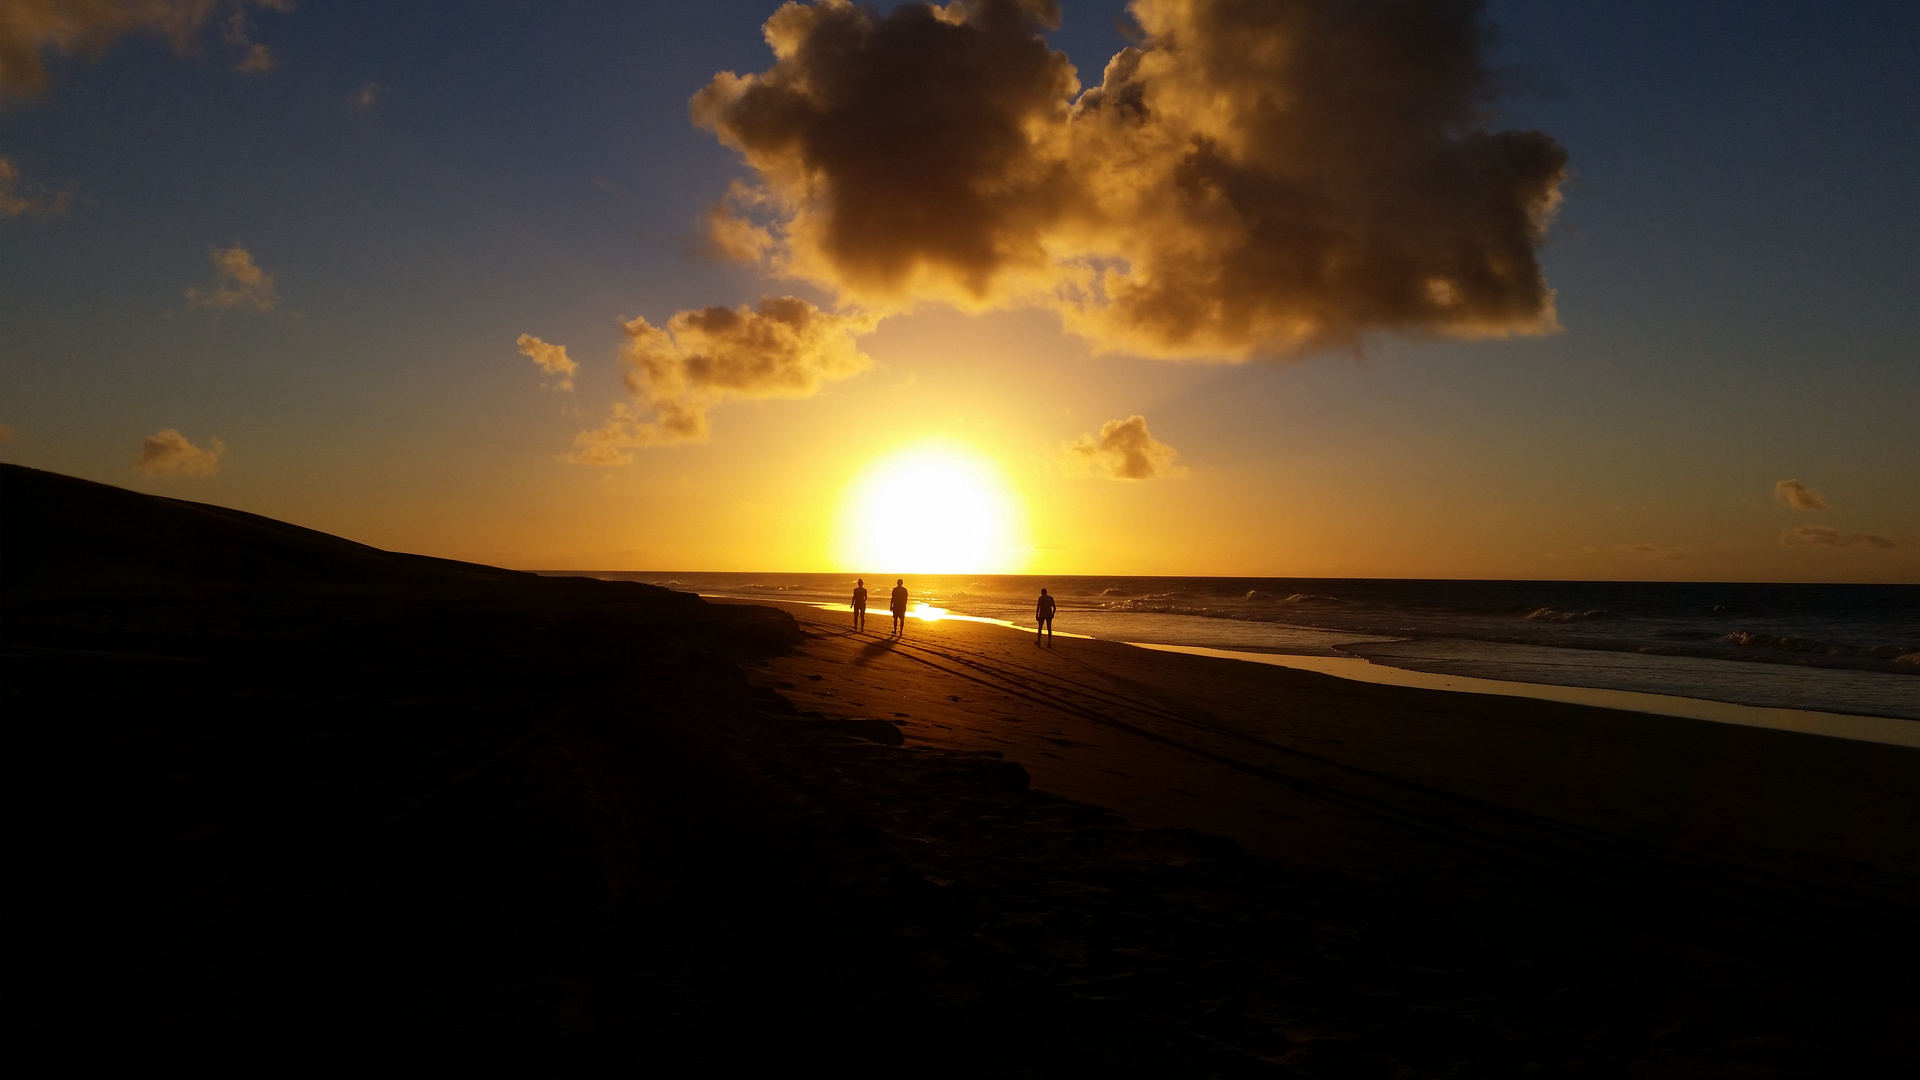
<point x="1829" y="648"/>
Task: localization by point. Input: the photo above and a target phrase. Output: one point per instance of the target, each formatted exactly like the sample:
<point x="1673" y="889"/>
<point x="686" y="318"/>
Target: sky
<point x="1382" y="289"/>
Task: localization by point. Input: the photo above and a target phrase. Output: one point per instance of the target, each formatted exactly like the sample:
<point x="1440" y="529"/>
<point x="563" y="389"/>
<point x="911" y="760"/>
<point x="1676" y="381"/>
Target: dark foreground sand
<point x="277" y="803"/>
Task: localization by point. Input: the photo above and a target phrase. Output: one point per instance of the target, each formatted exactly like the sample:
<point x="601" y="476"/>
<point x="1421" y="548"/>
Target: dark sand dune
<point x="276" y="802"/>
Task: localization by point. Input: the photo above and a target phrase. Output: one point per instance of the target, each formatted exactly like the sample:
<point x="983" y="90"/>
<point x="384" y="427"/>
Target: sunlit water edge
<point x="1890" y="731"/>
<point x="1428" y="650"/>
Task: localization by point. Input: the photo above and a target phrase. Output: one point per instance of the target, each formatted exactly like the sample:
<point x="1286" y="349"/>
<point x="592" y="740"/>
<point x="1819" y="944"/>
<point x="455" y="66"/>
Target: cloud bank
<point x="1799" y="496"/>
<point x="1124" y="450"/>
<point x="238" y="282"/>
<point x="788" y="348"/>
<point x="1826" y="536"/>
<point x="551" y="359"/>
<point x="168" y="453"/>
<point x="1254" y="178"/>
<point x="30" y="29"/>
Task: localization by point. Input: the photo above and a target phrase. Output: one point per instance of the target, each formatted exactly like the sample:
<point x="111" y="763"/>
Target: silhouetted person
<point x="1043" y="615"/>
<point x="899" y="605"/>
<point x="860" y="604"/>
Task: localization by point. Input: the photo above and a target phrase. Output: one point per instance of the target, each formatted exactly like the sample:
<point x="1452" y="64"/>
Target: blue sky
<point x="1734" y="263"/>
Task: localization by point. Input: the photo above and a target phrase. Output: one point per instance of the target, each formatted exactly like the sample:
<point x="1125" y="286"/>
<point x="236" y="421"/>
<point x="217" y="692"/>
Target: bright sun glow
<point x="931" y="509"/>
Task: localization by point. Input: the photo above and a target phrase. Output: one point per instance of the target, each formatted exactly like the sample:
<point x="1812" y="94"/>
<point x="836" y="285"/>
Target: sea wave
<point x="1748" y="639"/>
<point x="1156" y="606"/>
<point x="1312" y="598"/>
<point x="1547" y="614"/>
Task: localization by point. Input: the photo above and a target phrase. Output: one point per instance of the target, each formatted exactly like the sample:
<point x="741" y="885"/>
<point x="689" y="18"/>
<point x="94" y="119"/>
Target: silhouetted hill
<point x="66" y="535"/>
<point x="79" y="558"/>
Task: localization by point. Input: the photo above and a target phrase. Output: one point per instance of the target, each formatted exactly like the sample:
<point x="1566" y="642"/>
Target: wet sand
<point x="1767" y="880"/>
<point x="276" y="802"/>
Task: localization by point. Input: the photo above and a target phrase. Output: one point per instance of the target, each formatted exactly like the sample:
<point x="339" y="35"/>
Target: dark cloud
<point x="915" y="154"/>
<point x="168" y="453"/>
<point x="1799" y="496"/>
<point x="1124" y="450"/>
<point x="1255" y="177"/>
<point x="787" y="348"/>
<point x="29" y="29"/>
<point x="1826" y="536"/>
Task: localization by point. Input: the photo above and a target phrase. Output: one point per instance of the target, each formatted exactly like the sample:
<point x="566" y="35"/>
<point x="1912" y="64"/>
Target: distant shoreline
<point x="1861" y="727"/>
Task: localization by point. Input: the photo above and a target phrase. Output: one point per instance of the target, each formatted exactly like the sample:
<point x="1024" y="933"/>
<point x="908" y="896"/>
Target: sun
<point x="934" y="508"/>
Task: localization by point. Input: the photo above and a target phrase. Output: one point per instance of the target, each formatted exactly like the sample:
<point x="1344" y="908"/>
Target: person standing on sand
<point x="1043" y="616"/>
<point x="899" y="605"/>
<point x="859" y="604"/>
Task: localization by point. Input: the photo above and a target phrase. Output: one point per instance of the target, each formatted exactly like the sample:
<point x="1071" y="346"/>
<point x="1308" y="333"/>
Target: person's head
<point x="1043" y="592"/>
<point x="862" y="582"/>
<point x="900" y="581"/>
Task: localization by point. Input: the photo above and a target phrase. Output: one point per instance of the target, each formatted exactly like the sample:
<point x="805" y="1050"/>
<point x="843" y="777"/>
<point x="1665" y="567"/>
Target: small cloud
<point x="255" y="58"/>
<point x="1799" y="496"/>
<point x="1124" y="450"/>
<point x="7" y="433"/>
<point x="609" y="444"/>
<point x="1658" y="552"/>
<point x="551" y="359"/>
<point x="168" y="453"/>
<point x="238" y="282"/>
<point x="366" y="97"/>
<point x="258" y="60"/>
<point x="1826" y="536"/>
<point x="31" y="29"/>
<point x="605" y="184"/>
<point x="17" y="198"/>
<point x="788" y="348"/>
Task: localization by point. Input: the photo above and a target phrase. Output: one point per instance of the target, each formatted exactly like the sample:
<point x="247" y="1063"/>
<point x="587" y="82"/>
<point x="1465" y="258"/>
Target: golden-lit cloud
<point x="7" y="433"/>
<point x="32" y="29"/>
<point x="788" y="348"/>
<point x="1255" y="177"/>
<point x="551" y="359"/>
<point x="1799" y="496"/>
<point x="238" y="282"/>
<point x="168" y="453"/>
<point x="1124" y="450"/>
<point x="18" y="198"/>
<point x="366" y="97"/>
<point x="1826" y="536"/>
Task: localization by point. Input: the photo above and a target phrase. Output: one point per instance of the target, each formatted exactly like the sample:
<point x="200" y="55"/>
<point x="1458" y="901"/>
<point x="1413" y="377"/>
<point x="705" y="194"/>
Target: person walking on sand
<point x="898" y="603"/>
<point x="859" y="604"/>
<point x="1043" y="617"/>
